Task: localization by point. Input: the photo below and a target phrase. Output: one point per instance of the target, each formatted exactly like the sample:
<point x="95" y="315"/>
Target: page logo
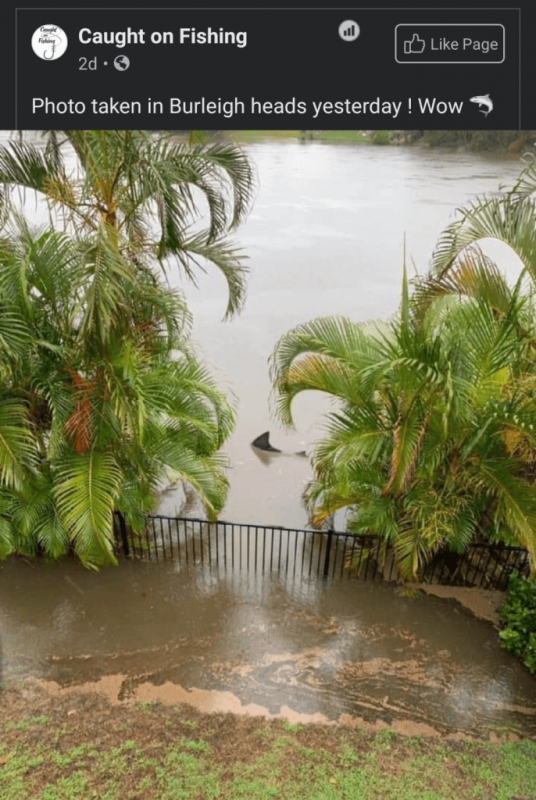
<point x="49" y="42"/>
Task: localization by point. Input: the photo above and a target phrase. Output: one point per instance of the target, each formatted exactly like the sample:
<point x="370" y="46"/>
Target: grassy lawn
<point x="324" y="136"/>
<point x="80" y="747"/>
<point x="343" y="136"/>
<point x="253" y="136"/>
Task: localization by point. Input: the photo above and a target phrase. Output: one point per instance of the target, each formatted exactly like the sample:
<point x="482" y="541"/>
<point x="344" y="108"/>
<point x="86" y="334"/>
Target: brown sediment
<point x="409" y="638"/>
<point x="205" y="700"/>
<point x="217" y="702"/>
<point x="108" y="686"/>
<point x="484" y="603"/>
<point x="309" y="658"/>
<point x="306" y="659"/>
<point x="349" y="721"/>
<point x="212" y="701"/>
<point x="410" y="728"/>
<point x="306" y="719"/>
<point x="458" y="736"/>
<point x="178" y="645"/>
<point x="413" y="670"/>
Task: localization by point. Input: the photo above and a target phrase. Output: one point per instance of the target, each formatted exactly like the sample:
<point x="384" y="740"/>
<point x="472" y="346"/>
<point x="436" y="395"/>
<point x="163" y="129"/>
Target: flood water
<point x="228" y="640"/>
<point x="325" y="236"/>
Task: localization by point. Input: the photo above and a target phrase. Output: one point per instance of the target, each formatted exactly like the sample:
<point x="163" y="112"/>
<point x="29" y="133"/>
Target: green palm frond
<point x="490" y="347"/>
<point x="51" y="533"/>
<point x="358" y="433"/>
<point x="474" y="276"/>
<point x="495" y="218"/>
<point x="525" y="187"/>
<point x="193" y="392"/>
<point x="336" y="337"/>
<point x="14" y="332"/>
<point x="85" y="489"/>
<point x="413" y="548"/>
<point x="408" y="437"/>
<point x="204" y="473"/>
<point x="34" y="516"/>
<point x="516" y="501"/>
<point x="7" y="534"/>
<point x="375" y="514"/>
<point x="328" y="354"/>
<point x="104" y="296"/>
<point x="205" y="166"/>
<point x="17" y="451"/>
<point x="22" y="164"/>
<point x="199" y="250"/>
<point x="7" y="539"/>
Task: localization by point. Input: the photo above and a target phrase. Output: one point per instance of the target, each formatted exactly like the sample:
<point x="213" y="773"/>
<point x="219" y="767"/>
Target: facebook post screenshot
<point x="268" y="402"/>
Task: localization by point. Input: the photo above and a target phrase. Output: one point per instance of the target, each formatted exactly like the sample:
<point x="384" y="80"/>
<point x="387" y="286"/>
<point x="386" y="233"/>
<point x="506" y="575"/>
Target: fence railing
<point x="297" y="552"/>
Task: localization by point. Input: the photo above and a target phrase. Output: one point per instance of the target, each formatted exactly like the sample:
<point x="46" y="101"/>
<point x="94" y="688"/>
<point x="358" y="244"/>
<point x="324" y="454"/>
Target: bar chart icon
<point x="349" y="30"/>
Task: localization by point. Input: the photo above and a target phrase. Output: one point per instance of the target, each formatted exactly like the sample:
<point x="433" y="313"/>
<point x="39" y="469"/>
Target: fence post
<point x="328" y="553"/>
<point x="123" y="531"/>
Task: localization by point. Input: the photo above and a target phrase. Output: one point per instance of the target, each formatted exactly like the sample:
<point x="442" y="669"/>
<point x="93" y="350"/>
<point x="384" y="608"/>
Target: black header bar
<point x="271" y="69"/>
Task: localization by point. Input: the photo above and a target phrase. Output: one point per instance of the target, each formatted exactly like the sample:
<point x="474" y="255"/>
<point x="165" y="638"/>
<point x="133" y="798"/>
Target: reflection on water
<point x="331" y="647"/>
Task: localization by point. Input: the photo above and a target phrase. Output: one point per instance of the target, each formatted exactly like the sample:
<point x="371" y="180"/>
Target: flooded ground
<point x="303" y="648"/>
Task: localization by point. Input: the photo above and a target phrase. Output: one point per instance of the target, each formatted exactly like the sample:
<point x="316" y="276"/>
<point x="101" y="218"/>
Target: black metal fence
<point x="296" y="552"/>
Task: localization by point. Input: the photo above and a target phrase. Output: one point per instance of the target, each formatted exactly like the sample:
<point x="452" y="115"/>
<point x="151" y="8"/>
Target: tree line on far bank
<point x="512" y="142"/>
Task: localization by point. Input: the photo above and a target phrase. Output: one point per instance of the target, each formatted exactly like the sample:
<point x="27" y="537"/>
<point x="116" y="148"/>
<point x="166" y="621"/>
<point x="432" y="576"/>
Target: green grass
<point x="190" y="723"/>
<point x="323" y="136"/>
<point x="343" y="136"/>
<point x="353" y="765"/>
<point x="253" y="136"/>
<point x="26" y="724"/>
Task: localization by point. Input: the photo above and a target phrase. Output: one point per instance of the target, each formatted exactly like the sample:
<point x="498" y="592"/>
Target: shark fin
<point x="263" y="443"/>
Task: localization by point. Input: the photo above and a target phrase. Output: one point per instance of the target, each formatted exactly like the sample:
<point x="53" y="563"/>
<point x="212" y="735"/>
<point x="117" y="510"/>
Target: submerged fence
<point x="296" y="552"/>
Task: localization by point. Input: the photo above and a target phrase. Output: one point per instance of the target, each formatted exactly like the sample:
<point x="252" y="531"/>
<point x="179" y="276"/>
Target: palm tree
<point x="432" y="442"/>
<point x="86" y="428"/>
<point x="459" y="266"/>
<point x="139" y="196"/>
<point x="101" y="393"/>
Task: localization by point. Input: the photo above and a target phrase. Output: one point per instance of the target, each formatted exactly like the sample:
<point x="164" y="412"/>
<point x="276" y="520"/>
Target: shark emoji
<point x="483" y="100"/>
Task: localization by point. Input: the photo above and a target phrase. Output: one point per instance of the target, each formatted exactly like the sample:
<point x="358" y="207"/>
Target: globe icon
<point x="121" y="63"/>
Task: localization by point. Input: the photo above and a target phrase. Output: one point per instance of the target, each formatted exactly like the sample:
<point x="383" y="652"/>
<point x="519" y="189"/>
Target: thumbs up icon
<point x="415" y="46"/>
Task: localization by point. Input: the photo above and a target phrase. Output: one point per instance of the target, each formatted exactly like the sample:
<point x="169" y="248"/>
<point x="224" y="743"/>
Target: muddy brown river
<point x="325" y="236"/>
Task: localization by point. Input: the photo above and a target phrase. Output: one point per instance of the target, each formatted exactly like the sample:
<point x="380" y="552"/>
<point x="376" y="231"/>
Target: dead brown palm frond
<point x="79" y="426"/>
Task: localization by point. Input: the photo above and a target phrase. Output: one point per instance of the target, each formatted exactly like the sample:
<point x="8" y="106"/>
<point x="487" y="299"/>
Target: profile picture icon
<point x="49" y="42"/>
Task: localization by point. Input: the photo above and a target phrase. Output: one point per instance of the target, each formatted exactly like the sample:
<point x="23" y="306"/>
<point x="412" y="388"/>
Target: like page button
<point x="449" y="43"/>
